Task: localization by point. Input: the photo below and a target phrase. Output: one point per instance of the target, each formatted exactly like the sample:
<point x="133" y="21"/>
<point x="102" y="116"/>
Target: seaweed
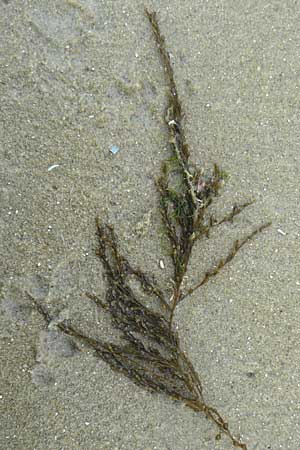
<point x="149" y="352"/>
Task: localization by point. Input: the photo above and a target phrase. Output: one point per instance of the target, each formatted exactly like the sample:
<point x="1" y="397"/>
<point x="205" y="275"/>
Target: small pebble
<point x="114" y="149"/>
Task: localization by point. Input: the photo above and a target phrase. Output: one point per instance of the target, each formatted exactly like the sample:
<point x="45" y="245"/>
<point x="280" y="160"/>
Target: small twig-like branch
<point x="212" y="414"/>
<point x="222" y="262"/>
<point x="204" y="230"/>
<point x="41" y="309"/>
<point x="174" y="113"/>
<point x="236" y="209"/>
<point x="160" y="40"/>
<point x="96" y="300"/>
<point x="119" y="267"/>
<point x="175" y="299"/>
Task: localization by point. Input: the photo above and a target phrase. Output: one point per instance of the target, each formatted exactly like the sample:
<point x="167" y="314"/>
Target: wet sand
<point x="77" y="77"/>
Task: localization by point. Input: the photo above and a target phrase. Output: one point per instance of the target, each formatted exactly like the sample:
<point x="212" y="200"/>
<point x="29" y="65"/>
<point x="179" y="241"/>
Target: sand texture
<point x="78" y="77"/>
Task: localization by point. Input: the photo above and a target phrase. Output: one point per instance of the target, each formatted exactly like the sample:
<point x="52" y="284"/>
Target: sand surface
<point x="77" y="77"/>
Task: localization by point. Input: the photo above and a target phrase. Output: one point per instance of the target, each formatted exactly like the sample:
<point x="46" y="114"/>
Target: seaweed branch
<point x="149" y="351"/>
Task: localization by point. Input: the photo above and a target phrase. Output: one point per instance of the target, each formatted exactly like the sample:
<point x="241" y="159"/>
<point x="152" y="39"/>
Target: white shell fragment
<point x="161" y="264"/>
<point x="52" y="167"/>
<point x="281" y="232"/>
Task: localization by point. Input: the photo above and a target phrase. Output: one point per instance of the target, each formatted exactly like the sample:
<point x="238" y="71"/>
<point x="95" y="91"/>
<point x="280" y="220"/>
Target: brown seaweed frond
<point x="238" y="244"/>
<point x="151" y="355"/>
<point x="184" y="202"/>
<point x="148" y="351"/>
<point x="186" y="192"/>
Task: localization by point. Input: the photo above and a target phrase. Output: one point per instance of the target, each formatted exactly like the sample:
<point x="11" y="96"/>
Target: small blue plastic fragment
<point x="114" y="149"/>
